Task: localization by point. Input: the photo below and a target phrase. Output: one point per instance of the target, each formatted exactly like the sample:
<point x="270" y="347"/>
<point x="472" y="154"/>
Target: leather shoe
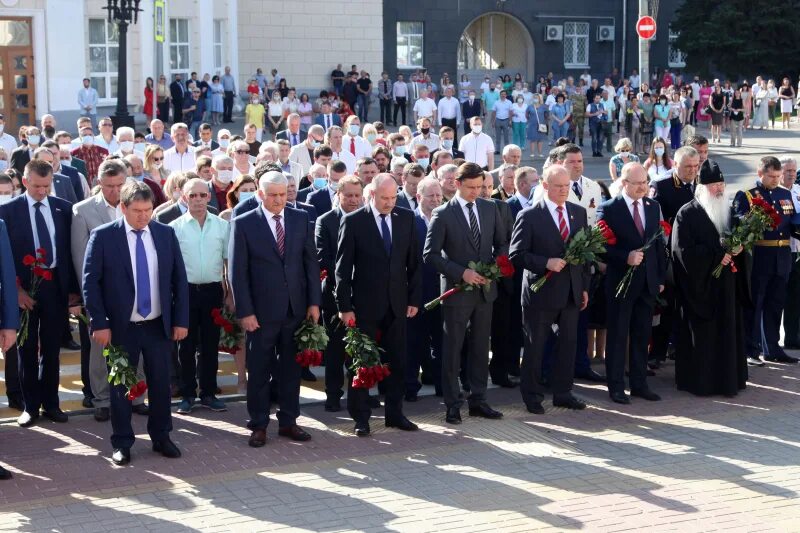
<point x="333" y="406"/>
<point x="26" y="419"/>
<point x="295" y="433"/>
<point x="374" y="402"/>
<point x="782" y="358"/>
<point x="258" y="438"/>
<point x="453" y="415"/>
<point x="166" y="448"/>
<point x="504" y="382"/>
<point x="362" y="429"/>
<point x="411" y="397"/>
<point x="570" y="402"/>
<point x="5" y="474"/>
<point x="484" y="411"/>
<point x="87" y="402"/>
<point x="56" y="415"/>
<point x="102" y="414"/>
<point x="141" y="409"/>
<point x="121" y="456"/>
<point x="307" y="375"/>
<point x="71" y="345"/>
<point x="402" y="423"/>
<point x="620" y="397"/>
<point x="591" y="375"/>
<point x="535" y="408"/>
<point x="646" y="394"/>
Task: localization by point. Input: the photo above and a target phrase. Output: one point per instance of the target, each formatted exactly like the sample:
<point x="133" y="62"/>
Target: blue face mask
<point x="34" y="139"/>
<point x="320" y="183"/>
<point x="140" y="177"/>
<point x="246" y="195"/>
<point x="447" y="144"/>
<point x="423" y="162"/>
<point x="400" y="150"/>
<point x="140" y="147"/>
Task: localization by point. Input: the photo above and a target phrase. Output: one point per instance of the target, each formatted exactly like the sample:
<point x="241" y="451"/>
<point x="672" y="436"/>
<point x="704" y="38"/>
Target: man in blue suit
<point x="274" y="274"/>
<point x="136" y="294"/>
<point x="322" y="200"/>
<point x="9" y="313"/>
<point x="327" y="117"/>
<point x="62" y="187"/>
<point x="634" y="220"/>
<point x="37" y="221"/>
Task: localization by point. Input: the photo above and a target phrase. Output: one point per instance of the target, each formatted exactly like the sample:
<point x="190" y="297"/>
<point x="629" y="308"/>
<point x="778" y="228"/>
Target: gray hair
<point x="41" y="150"/>
<point x="787" y="159"/>
<point x="316" y="129"/>
<point x="272" y="178"/>
<point x="135" y="191"/>
<point x="178" y="126"/>
<point x="125" y="130"/>
<point x="221" y="158"/>
<point x="684" y="151"/>
<point x="510" y="148"/>
<point x="111" y="167"/>
<point x="187" y="187"/>
<point x="315" y="167"/>
<point x="552" y="171"/>
<point x="425" y="183"/>
<point x="446" y="169"/>
<point x="398" y="162"/>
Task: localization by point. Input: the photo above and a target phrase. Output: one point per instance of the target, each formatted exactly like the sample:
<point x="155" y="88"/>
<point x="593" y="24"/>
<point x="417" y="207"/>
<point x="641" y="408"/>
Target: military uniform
<point x="578" y="101"/>
<point x="772" y="264"/>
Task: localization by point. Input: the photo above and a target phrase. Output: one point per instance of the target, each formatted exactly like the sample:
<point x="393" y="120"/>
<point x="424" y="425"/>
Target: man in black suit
<point x="292" y="133"/>
<point x="322" y="199"/>
<point x="447" y="144"/>
<point x="466" y="229"/>
<point x="24" y="152"/>
<point x="177" y="92"/>
<point x="62" y="185"/>
<point x="538" y="245"/>
<point x="206" y="139"/>
<point x="37" y="221"/>
<point x="634" y="220"/>
<point x="379" y="286"/>
<point x="349" y="196"/>
<point x="470" y="108"/>
<point x="65" y="170"/>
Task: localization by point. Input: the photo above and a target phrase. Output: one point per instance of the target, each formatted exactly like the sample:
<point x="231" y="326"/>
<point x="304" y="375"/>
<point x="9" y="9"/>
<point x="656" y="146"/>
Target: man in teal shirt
<point x="489" y="98"/>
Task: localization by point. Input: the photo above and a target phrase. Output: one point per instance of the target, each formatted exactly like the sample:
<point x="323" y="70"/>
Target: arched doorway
<point x="496" y="43"/>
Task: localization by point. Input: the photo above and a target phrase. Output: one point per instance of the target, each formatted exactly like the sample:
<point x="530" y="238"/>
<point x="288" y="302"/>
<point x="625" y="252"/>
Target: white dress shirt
<point x="431" y="141"/>
<point x="377" y="216"/>
<point x="363" y="148"/>
<point x="449" y="108"/>
<point x="425" y="219"/>
<point x="174" y="161"/>
<point x="400" y="89"/>
<point x="8" y="143"/>
<point x="113" y="211"/>
<point x="51" y="227"/>
<point x="465" y="210"/>
<point x="425" y="107"/>
<point x="272" y="226"/>
<point x="112" y="145"/>
<point x="553" y="208"/>
<point x="152" y="270"/>
<point x="629" y="201"/>
<point x="524" y="202"/>
<point x="477" y="148"/>
<point x="347" y="158"/>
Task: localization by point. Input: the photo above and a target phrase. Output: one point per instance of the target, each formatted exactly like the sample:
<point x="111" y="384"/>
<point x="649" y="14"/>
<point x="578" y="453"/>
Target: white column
<point x="147" y="44"/>
<point x="205" y="24"/>
<point x="232" y="48"/>
<point x="65" y="55"/>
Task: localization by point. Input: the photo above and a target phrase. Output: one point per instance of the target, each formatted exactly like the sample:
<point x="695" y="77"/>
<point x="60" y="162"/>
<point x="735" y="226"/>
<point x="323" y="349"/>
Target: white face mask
<point x="5" y="198"/>
<point x="157" y="165"/>
<point x="354" y="129"/>
<point x="176" y="195"/>
<point x="126" y="146"/>
<point x="3" y="165"/>
<point x="140" y="147"/>
<point x="225" y="176"/>
<point x="88" y="140"/>
<point x="477" y="129"/>
<point x="223" y="143"/>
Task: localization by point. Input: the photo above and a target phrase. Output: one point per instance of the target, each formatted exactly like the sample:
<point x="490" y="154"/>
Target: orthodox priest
<point x="710" y="357"/>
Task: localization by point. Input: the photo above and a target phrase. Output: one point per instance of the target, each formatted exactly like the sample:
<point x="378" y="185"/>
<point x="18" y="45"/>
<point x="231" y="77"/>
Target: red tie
<point x="637" y="220"/>
<point x="353" y="145"/>
<point x="562" y="224"/>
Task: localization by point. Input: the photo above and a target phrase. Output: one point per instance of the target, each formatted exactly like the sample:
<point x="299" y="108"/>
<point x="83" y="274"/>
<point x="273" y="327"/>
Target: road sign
<point x="646" y="27"/>
<point x="159" y="20"/>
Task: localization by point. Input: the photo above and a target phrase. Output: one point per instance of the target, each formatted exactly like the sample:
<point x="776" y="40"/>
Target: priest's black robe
<point x="710" y="357"/>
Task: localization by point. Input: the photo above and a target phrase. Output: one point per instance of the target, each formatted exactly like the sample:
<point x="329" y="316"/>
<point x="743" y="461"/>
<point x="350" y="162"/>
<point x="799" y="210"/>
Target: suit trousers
<point x="227" y="106"/>
<point x="386" y="110"/>
<point x="86" y="349"/>
<point x="630" y="320"/>
<point x="98" y="377"/>
<point x="666" y="325"/>
<point x="39" y="356"/>
<point x="537" y="329"/>
<point x="11" y="373"/>
<point x="399" y="105"/>
<point x="262" y="346"/>
<point x="392" y="339"/>
<point x="177" y="112"/>
<point x="478" y="316"/>
<point x="501" y="342"/>
<point x="203" y="332"/>
<point x="334" y="355"/>
<point x="145" y="340"/>
<point x="424" y="349"/>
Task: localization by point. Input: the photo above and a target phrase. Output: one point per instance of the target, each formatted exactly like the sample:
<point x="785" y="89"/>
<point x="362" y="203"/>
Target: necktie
<point x="327" y="122"/>
<point x="562" y="224"/>
<point x="473" y="226"/>
<point x="387" y="236"/>
<point x="44" y="234"/>
<point x="577" y="188"/>
<point x="637" y="220"/>
<point x="353" y="145"/>
<point x="281" y="236"/>
<point x="294" y="139"/>
<point x="143" y="303"/>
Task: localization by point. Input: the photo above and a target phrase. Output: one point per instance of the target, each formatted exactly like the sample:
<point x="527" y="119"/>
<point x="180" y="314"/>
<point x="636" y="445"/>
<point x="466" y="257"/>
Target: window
<point x="218" y="46"/>
<point x="576" y="44"/>
<point x="675" y="58"/>
<point x="179" y="47"/>
<point x="103" y="57"/>
<point x="409" y="45"/>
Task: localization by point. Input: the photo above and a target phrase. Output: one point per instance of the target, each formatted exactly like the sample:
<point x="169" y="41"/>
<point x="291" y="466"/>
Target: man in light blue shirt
<point x="229" y="86"/>
<point x="87" y="102"/>
<point x="203" y="239"/>
<point x="501" y="121"/>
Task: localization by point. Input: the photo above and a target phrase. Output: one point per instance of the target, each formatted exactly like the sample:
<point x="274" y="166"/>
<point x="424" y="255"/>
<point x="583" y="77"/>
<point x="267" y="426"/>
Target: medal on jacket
<point x="591" y="204"/>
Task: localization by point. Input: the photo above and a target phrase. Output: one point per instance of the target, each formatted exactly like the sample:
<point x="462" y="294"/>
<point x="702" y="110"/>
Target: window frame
<point x="671" y="48"/>
<point x="109" y="96"/>
<point x="575" y="37"/>
<point x="408" y="46"/>
<point x="180" y="46"/>
<point x="219" y="44"/>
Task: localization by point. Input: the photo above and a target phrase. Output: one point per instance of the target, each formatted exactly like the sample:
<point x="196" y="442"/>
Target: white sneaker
<point x="755" y="361"/>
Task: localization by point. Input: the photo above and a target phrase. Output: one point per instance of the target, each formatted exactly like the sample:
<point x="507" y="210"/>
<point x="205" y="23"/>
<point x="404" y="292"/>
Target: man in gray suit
<point x="95" y="211"/>
<point x="467" y="228"/>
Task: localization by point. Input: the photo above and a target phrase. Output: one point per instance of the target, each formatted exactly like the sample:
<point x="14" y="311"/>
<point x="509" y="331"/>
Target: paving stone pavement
<point x="684" y="464"/>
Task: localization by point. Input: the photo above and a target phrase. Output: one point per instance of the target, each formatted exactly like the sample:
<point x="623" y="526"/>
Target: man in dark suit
<point x="471" y="107"/>
<point x="62" y="187"/>
<point x="38" y="222"/>
<point x="23" y="153"/>
<point x="322" y="200"/>
<point x="291" y="200"/>
<point x="9" y="312"/>
<point x="136" y="295"/>
<point x="538" y="245"/>
<point x="65" y="170"/>
<point x="177" y="92"/>
<point x="326" y="235"/>
<point x="634" y="220"/>
<point x="379" y="286"/>
<point x="206" y="138"/>
<point x="466" y="229"/>
<point x="327" y="117"/>
<point x="277" y="242"/>
<point x="292" y="133"/>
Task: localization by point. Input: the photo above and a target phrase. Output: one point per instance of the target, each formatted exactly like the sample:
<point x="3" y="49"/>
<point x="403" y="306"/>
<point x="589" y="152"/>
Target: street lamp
<point x="123" y="12"/>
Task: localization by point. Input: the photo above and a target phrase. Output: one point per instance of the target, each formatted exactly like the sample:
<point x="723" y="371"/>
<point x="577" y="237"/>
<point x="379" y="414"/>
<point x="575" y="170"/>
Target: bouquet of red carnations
<point x="365" y="358"/>
<point x="311" y="339"/>
<point x="501" y="268"/>
<point x="762" y="217"/>
<point x="38" y="274"/>
<point x="230" y="335"/>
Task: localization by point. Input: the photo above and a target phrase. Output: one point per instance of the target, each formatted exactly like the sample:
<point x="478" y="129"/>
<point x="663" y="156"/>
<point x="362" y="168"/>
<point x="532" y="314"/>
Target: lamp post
<point x="123" y="12"/>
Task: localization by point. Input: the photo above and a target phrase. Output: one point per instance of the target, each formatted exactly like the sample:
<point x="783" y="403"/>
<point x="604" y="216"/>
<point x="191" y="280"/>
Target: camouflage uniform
<point x="579" y="102"/>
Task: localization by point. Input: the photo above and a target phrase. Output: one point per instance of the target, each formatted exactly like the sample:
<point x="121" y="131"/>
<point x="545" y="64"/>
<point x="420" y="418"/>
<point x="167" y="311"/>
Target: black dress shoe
<point x="295" y="433"/>
<point x="141" y="409"/>
<point x="56" y="415"/>
<point x="71" y="345"/>
<point x="484" y="411"/>
<point x="166" y="448"/>
<point x="15" y="402"/>
<point x="570" y="402"/>
<point x="362" y="429"/>
<point x="453" y="415"/>
<point x="307" y="375"/>
<point x="258" y="438"/>
<point x="646" y="394"/>
<point x="591" y="375"/>
<point x="27" y="419"/>
<point x="410" y="397"/>
<point x="87" y="402"/>
<point x="535" y="408"/>
<point x="653" y="364"/>
<point x="504" y="382"/>
<point x="545" y="382"/>
<point x="782" y="358"/>
<point x="333" y="406"/>
<point x="121" y="456"/>
<point x="401" y="423"/>
<point x="5" y="474"/>
<point x="620" y="397"/>
<point x="374" y="402"/>
<point x="102" y="414"/>
<point x="466" y="387"/>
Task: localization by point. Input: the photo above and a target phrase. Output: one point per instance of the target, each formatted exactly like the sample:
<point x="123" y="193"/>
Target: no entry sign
<point x="646" y="27"/>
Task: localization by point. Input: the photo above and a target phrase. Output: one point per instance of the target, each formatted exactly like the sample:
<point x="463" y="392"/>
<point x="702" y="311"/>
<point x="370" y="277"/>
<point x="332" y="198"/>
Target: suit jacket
<point x="9" y="312"/>
<point x="86" y="216"/>
<point x="403" y="201"/>
<point x="535" y="240"/>
<point x="335" y="120"/>
<point x="326" y="237"/>
<point x="371" y="281"/>
<point x="671" y="194"/>
<point x="321" y="200"/>
<point x="20" y="157"/>
<point x="500" y="194"/>
<point x="214" y="144"/>
<point x="618" y="217"/>
<point x="516" y="207"/>
<point x="299" y="154"/>
<point x="75" y="180"/>
<point x="469" y="111"/>
<point x="168" y="215"/>
<point x="109" y="288"/>
<point x="18" y="222"/>
<point x="284" y="134"/>
<point x="449" y="247"/>
<point x="591" y="197"/>
<point x="271" y="287"/>
<point x="430" y="276"/>
<point x="62" y="187"/>
<point x="77" y="164"/>
<point x="302" y="194"/>
<point x="507" y="218"/>
<point x="252" y="202"/>
<point x="457" y="154"/>
<point x="177" y="91"/>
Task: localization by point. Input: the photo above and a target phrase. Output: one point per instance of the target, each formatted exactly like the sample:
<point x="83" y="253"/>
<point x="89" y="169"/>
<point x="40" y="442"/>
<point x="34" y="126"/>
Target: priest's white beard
<point x="716" y="208"/>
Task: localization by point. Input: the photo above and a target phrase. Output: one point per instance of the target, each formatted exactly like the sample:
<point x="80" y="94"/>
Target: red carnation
<point x="378" y="336"/>
<point x="38" y="272"/>
<point x="28" y="260"/>
<point x="216" y="312"/>
<point x="323" y="274"/>
<point x="47" y="275"/>
<point x="228" y="327"/>
<point x="665" y="227"/>
<point x="351" y="323"/>
<point x="41" y="252"/>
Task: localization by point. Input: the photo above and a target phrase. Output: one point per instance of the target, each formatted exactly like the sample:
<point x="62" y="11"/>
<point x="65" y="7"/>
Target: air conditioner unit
<point x="554" y="33"/>
<point x="605" y="33"/>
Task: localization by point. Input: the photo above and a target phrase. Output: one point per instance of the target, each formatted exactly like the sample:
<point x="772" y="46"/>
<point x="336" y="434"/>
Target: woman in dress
<point x="786" y="96"/>
<point x="658" y="164"/>
<point x="633" y="125"/>
<point x="148" y="99"/>
<point x="705" y="95"/>
<point x="717" y="102"/>
<point x="507" y="83"/>
<point x="559" y="118"/>
<point x="661" y="115"/>
<point x="464" y="86"/>
<point x="760" y="106"/>
<point x="162" y="99"/>
<point x="727" y="90"/>
<point x="747" y="102"/>
<point x="217" y="95"/>
<point x="624" y="150"/>
<point x="538" y="115"/>
<point x="772" y="100"/>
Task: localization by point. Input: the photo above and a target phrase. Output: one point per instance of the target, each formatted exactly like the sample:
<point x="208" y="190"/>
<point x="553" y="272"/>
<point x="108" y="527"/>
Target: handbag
<point x="541" y="127"/>
<point x="707" y="110"/>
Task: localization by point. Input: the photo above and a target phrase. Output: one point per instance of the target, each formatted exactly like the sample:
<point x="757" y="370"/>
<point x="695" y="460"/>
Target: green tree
<point x="740" y="38"/>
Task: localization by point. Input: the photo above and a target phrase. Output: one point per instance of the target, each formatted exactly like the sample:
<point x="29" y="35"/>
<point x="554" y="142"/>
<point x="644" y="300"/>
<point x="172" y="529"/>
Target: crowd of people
<point x="341" y="222"/>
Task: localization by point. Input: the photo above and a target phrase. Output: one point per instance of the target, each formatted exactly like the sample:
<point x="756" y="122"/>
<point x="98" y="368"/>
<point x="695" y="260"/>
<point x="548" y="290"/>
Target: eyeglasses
<point x="194" y="195"/>
<point x="158" y="159"/>
<point x="242" y="151"/>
